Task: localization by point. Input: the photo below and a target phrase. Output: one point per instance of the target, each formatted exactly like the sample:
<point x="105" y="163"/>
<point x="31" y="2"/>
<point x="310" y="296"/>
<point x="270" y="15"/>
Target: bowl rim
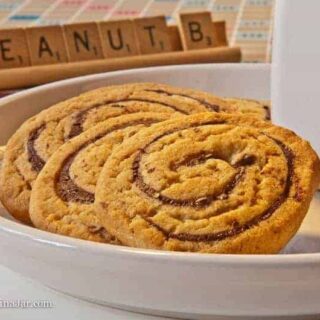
<point x="45" y="238"/>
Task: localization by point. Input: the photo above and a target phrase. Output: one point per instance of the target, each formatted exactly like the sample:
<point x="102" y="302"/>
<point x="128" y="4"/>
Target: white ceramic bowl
<point x="168" y="283"/>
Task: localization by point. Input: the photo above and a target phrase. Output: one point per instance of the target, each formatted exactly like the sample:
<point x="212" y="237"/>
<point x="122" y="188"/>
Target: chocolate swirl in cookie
<point x="205" y="201"/>
<point x="79" y="118"/>
<point x="236" y="229"/>
<point x="66" y="188"/>
<point x="268" y="112"/>
<point x="209" y="106"/>
<point x="205" y="180"/>
<point x="35" y="160"/>
<point x="73" y="172"/>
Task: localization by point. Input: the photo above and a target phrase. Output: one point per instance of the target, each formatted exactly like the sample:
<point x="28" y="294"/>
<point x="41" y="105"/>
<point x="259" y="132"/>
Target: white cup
<point x="295" y="86"/>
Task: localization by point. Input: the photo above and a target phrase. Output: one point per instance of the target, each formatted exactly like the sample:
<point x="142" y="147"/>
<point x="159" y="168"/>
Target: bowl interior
<point x="250" y="81"/>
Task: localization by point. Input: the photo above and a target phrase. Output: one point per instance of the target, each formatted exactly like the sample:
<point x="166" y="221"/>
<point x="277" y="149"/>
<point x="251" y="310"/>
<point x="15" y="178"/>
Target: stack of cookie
<point x="153" y="166"/>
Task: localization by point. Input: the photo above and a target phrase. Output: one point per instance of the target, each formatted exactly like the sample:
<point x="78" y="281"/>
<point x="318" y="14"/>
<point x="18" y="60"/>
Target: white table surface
<point x="14" y="286"/>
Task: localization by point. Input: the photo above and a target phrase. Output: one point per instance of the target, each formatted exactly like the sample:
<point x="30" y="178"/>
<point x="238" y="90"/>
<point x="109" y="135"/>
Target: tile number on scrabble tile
<point x="153" y="35"/>
<point x="197" y="31"/>
<point x="83" y="41"/>
<point x="118" y="38"/>
<point x="46" y="45"/>
<point x="13" y="48"/>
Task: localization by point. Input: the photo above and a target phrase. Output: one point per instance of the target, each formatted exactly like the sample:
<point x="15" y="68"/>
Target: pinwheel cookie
<point x="63" y="194"/>
<point x="37" y="139"/>
<point x="208" y="183"/>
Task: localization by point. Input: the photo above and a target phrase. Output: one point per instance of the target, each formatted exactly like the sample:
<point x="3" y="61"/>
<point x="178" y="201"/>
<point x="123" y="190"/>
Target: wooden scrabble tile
<point x="197" y="31"/>
<point x="13" y="48"/>
<point x="175" y="38"/>
<point x="118" y="38"/>
<point x="83" y="41"/>
<point x="152" y="35"/>
<point x="46" y="45"/>
<point x="221" y="33"/>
